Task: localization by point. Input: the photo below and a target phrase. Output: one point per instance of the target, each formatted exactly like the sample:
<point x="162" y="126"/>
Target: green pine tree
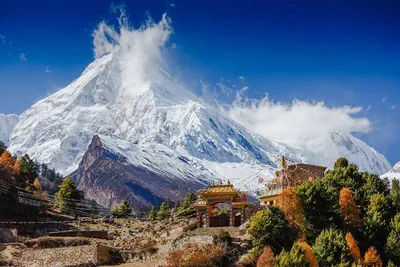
<point x="68" y="196"/>
<point x="331" y="249"/>
<point x="271" y="228"/>
<point x="153" y="214"/>
<point x="3" y="147"/>
<point x="393" y="240"/>
<point x="123" y="211"/>
<point x="185" y="208"/>
<point x="293" y="258"/>
<point x="163" y="212"/>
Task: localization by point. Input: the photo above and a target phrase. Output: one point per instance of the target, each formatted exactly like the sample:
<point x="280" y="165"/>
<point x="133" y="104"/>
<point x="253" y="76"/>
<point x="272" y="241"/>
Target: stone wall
<point x="91" y="255"/>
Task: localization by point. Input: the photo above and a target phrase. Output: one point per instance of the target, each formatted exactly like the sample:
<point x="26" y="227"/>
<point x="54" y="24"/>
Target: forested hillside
<point x="347" y="218"/>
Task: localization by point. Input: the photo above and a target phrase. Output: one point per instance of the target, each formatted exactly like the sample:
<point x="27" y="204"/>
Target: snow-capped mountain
<point x="155" y="113"/>
<point x="7" y="124"/>
<point x="393" y="173"/>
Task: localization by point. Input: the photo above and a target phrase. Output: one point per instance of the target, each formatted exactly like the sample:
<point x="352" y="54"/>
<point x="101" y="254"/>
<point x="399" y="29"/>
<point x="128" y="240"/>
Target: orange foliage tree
<point x="372" y="258"/>
<point x="348" y="206"/>
<point x="267" y="258"/>
<point x="309" y="254"/>
<point x="292" y="207"/>
<point x="354" y="249"/>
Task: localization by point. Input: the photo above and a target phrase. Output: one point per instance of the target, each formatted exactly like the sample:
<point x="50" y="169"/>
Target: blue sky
<point x="339" y="52"/>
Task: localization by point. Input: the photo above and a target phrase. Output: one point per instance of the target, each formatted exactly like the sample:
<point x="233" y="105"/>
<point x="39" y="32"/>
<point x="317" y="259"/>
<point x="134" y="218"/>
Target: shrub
<point x="223" y="237"/>
<point x="271" y="228"/>
<point x="250" y="259"/>
<point x="194" y="255"/>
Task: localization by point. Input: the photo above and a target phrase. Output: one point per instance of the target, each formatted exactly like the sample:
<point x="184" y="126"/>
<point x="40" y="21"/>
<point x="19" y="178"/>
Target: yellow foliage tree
<point x="354" y="249"/>
<point x="372" y="258"/>
<point x="267" y="258"/>
<point x="292" y="207"/>
<point x="309" y="254"/>
<point x="348" y="206"/>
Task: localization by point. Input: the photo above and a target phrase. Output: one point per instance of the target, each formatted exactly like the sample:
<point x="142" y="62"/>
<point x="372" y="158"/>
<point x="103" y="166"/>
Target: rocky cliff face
<point x="108" y="177"/>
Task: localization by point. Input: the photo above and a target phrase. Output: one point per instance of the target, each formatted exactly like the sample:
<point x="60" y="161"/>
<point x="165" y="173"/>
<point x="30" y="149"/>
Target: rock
<point x="8" y="235"/>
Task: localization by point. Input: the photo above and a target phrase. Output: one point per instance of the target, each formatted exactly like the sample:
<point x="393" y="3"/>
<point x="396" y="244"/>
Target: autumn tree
<point x="292" y="207"/>
<point x="309" y="254"/>
<point x="372" y="258"/>
<point x="354" y="249"/>
<point x="348" y="207"/>
<point x="267" y="258"/>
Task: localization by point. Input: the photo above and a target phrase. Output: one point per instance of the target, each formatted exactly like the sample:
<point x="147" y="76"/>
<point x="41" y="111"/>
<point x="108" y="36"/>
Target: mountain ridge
<point x="156" y="110"/>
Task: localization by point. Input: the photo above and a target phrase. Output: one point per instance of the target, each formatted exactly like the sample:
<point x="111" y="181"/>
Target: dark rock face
<point x="108" y="178"/>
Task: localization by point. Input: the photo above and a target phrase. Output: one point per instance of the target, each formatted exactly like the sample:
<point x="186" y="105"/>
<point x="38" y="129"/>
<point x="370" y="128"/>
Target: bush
<point x="271" y="228"/>
<point x="250" y="259"/>
<point x="223" y="237"/>
<point x="194" y="255"/>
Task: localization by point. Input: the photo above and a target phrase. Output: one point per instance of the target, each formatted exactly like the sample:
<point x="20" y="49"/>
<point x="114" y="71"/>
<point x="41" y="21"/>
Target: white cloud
<point x="140" y="50"/>
<point x="47" y="69"/>
<point x="241" y="78"/>
<point x="392" y="107"/>
<point x="2" y="39"/>
<point x="22" y="57"/>
<point x="368" y="108"/>
<point x="384" y="100"/>
<point x="290" y="121"/>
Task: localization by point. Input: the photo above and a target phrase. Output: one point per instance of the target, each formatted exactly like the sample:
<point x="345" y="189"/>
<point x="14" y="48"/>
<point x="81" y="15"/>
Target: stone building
<point x="289" y="176"/>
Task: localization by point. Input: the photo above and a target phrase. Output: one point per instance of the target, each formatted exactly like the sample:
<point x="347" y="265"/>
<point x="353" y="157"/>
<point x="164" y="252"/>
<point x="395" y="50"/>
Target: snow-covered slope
<point x="158" y="114"/>
<point x="393" y="173"/>
<point x="7" y="124"/>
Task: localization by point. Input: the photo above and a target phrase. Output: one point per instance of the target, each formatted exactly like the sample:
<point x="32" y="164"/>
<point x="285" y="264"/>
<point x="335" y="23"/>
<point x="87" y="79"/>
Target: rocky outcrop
<point x="108" y="177"/>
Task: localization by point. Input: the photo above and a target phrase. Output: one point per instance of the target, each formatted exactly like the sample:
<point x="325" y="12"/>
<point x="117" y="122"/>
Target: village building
<point x="289" y="176"/>
<point x="221" y="205"/>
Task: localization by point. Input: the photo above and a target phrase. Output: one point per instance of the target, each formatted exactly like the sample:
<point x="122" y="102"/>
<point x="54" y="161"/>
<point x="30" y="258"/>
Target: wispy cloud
<point x="368" y="108"/>
<point x="2" y="39"/>
<point x="241" y="78"/>
<point x="392" y="107"/>
<point x="47" y="69"/>
<point x="22" y="57"/>
<point x="384" y="100"/>
<point x="289" y="121"/>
